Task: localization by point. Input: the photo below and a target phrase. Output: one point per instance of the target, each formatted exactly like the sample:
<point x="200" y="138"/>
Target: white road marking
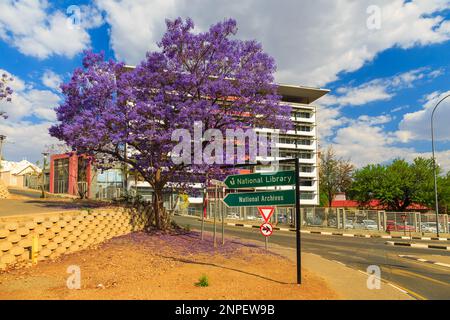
<point x="339" y="262"/>
<point x="399" y="289"/>
<point x="442" y="264"/>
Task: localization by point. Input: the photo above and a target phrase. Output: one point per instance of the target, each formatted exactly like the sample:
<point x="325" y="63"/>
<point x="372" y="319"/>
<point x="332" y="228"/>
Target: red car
<point x="393" y="226"/>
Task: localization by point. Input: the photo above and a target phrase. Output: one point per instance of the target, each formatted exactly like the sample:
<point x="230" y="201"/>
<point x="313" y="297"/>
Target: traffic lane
<point x="423" y="280"/>
<point x="426" y="281"/>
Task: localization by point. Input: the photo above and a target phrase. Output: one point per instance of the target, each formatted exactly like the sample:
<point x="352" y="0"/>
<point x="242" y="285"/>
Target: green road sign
<point x="262" y="198"/>
<point x="254" y="180"/>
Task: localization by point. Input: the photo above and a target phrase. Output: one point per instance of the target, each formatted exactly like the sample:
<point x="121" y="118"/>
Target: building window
<point x="307" y="196"/>
<point x="304" y="142"/>
<point x="305" y="155"/>
<point x="306" y="169"/>
<point x="303" y="128"/>
<point x="61" y="180"/>
<point x="306" y="183"/>
<point x="300" y="155"/>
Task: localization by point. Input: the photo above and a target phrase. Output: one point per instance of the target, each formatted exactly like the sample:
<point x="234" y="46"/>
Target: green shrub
<point x="202" y="282"/>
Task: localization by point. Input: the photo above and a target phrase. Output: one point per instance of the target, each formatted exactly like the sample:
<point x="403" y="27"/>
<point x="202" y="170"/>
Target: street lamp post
<point x="2" y="138"/>
<point x="434" y="165"/>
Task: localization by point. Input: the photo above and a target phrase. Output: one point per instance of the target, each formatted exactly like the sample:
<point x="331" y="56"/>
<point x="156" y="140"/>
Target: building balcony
<point x="291" y="146"/>
<point x="312" y="174"/>
<point x="311" y="120"/>
<point x="311" y="133"/>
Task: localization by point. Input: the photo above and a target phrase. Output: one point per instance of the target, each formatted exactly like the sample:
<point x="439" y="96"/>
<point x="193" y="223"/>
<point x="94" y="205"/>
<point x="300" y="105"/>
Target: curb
<point x="329" y="233"/>
<point x="424" y="260"/>
<point x="416" y="245"/>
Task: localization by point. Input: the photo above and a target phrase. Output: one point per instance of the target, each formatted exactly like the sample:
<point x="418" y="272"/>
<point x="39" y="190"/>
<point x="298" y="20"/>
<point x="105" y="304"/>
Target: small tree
<point x="208" y="77"/>
<point x="335" y="175"/>
<point x="400" y="184"/>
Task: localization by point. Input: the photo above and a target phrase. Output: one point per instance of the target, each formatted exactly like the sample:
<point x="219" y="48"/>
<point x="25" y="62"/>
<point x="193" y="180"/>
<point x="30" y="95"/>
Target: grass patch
<point x="202" y="281"/>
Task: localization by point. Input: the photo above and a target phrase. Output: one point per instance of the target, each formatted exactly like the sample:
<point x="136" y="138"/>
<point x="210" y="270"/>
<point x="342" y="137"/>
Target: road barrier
<point x="46" y="236"/>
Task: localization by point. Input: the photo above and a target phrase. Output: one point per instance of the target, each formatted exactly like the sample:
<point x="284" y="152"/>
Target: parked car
<point x="348" y="223"/>
<point x="282" y="218"/>
<point x="369" y="225"/>
<point x="394" y="226"/>
<point x="430" y="227"/>
<point x="233" y="216"/>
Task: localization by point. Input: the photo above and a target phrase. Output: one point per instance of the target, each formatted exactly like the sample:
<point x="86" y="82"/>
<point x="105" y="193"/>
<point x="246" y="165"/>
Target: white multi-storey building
<point x="301" y="141"/>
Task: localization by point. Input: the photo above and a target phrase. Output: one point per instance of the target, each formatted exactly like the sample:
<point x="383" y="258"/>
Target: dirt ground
<point x="166" y="266"/>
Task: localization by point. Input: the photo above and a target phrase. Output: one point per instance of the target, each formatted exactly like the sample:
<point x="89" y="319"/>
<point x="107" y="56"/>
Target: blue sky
<point x="386" y="62"/>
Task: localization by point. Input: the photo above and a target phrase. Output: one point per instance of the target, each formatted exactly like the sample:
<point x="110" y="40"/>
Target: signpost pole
<point x="223" y="217"/>
<point x="297" y="221"/>
<point x="215" y="216"/>
<point x="205" y="204"/>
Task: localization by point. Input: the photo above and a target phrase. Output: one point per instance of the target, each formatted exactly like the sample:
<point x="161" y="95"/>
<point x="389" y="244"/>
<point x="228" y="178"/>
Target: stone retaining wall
<point x="60" y="233"/>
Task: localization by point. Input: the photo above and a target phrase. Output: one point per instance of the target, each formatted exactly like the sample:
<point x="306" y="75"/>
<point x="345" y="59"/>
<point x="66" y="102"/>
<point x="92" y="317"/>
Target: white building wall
<point x="290" y="144"/>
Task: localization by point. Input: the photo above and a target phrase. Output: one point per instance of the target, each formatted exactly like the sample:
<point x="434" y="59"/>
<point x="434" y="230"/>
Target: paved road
<point x="423" y="281"/>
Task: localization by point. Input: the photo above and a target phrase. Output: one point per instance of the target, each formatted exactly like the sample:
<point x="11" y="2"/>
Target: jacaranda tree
<point x="121" y="114"/>
<point x="5" y="91"/>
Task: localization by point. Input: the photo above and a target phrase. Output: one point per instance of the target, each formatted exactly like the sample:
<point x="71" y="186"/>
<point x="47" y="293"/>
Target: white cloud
<point x="328" y="119"/>
<point x="379" y="89"/>
<point x="25" y="139"/>
<point x="370" y="120"/>
<point x="135" y="25"/>
<point x="312" y="41"/>
<point x="361" y="95"/>
<point x="51" y="80"/>
<point x="417" y="123"/>
<point x="365" y="143"/>
<point x="28" y="26"/>
<point x="28" y="101"/>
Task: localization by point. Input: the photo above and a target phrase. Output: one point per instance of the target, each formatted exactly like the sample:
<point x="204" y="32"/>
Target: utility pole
<point x="2" y="138"/>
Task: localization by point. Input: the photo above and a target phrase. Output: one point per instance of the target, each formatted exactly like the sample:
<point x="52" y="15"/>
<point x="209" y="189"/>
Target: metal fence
<point x="374" y="220"/>
<point x="338" y="218"/>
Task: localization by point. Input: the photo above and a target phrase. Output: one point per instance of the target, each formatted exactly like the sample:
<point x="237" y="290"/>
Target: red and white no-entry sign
<point x="266" y="229"/>
<point x="266" y="212"/>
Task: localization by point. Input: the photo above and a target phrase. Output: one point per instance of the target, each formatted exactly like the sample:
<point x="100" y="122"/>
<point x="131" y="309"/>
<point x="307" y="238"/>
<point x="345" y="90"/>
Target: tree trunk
<point x="156" y="209"/>
<point x="162" y="219"/>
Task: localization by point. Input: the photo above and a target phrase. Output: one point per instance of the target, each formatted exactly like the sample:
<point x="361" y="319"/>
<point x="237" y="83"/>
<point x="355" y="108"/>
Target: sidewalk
<point x="339" y="277"/>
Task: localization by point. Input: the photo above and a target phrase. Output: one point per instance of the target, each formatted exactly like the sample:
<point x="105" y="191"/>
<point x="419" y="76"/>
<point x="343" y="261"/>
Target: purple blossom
<point x="5" y="91"/>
